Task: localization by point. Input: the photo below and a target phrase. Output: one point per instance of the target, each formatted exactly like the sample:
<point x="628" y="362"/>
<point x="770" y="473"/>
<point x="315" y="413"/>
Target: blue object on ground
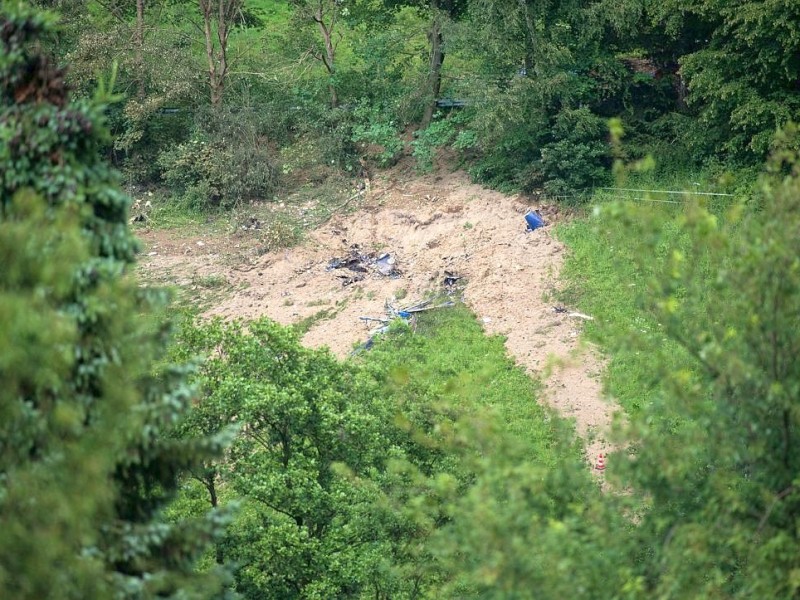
<point x="534" y="221"/>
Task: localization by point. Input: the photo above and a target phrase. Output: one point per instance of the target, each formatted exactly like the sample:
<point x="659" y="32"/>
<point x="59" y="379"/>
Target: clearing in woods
<point x="434" y="227"/>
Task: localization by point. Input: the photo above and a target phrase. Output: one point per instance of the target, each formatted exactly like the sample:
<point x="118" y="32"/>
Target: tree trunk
<point x="217" y="49"/>
<point x="437" y="59"/>
<point x="139" y="49"/>
<point x="329" y="60"/>
<point x="530" y="32"/>
<point x="219" y="555"/>
<point x="226" y="8"/>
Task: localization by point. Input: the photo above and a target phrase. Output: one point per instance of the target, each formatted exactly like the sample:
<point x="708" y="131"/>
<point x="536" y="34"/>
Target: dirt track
<point x="430" y="225"/>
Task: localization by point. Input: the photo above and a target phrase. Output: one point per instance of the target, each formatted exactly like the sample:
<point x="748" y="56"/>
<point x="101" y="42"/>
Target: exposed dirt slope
<point x="432" y="226"/>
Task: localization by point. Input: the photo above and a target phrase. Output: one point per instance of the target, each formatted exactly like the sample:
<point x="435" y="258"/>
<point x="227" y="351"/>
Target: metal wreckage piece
<point x="407" y="314"/>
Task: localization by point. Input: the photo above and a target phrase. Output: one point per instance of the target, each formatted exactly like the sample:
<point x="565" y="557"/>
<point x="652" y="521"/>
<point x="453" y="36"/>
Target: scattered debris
<point x="251" y="223"/>
<point x="406" y="314"/>
<point x="451" y="279"/>
<point x="140" y="211"/>
<point x="426" y="305"/>
<point x="576" y="315"/>
<point x="384" y="265"/>
<point x="349" y="279"/>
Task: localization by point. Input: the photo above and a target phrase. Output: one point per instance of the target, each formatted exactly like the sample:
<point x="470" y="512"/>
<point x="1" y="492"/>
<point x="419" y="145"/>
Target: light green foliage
<point x="523" y="524"/>
<point x="450" y="364"/>
<point x="504" y="495"/>
<point x="367" y="479"/>
<point x="378" y="137"/>
<point x="713" y="442"/>
<point x="309" y="529"/>
<point x="606" y="282"/>
<point x="441" y="132"/>
<point x="85" y="469"/>
<point x="38" y="258"/>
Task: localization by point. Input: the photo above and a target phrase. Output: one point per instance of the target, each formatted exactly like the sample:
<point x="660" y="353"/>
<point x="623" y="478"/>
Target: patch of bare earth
<point x="432" y="226"/>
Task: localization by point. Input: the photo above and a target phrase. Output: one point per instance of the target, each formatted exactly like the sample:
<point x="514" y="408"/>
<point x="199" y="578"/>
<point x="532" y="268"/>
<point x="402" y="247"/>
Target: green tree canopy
<point x="86" y="466"/>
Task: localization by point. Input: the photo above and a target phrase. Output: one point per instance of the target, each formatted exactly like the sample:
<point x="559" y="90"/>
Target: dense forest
<point x="227" y="100"/>
<point x="148" y="454"/>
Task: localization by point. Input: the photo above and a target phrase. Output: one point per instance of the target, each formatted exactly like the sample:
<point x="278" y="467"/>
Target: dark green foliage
<point x="700" y="83"/>
<point x="743" y="75"/>
<point x="52" y="145"/>
<point x="442" y="132"/>
<point x="85" y="469"/>
<point x="576" y="158"/>
<point x="541" y="95"/>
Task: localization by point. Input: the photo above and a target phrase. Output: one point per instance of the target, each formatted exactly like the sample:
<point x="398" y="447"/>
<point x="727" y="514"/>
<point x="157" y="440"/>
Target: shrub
<point x="226" y="162"/>
<point x="377" y="136"/>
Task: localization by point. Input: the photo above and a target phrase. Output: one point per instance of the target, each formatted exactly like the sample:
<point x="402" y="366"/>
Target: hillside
<point x="436" y="227"/>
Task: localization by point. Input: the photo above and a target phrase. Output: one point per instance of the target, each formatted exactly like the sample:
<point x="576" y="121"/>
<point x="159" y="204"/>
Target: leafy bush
<point x="443" y="131"/>
<point x="577" y="158"/>
<point x="226" y="162"/>
<point x="565" y="156"/>
<point x="199" y="170"/>
<point x="377" y="136"/>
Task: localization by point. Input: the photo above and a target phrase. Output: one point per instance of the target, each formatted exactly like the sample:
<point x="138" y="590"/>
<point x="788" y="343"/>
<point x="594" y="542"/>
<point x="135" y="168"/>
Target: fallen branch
<point x="350" y="199"/>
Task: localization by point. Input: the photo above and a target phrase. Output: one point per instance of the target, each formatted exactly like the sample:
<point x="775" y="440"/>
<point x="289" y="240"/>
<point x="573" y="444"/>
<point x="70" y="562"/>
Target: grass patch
<point x="449" y="363"/>
<point x="303" y="326"/>
<point x="607" y="275"/>
<point x="159" y="212"/>
<point x="209" y="282"/>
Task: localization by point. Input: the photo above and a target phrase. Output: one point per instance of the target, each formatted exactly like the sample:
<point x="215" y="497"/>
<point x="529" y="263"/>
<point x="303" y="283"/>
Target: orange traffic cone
<point x="601" y="463"/>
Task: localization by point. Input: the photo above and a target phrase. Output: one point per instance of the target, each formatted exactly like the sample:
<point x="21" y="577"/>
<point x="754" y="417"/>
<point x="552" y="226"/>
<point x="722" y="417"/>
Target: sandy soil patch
<point x="433" y="227"/>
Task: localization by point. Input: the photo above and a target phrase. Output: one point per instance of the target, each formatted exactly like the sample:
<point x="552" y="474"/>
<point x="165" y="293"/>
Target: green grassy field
<point x="612" y="263"/>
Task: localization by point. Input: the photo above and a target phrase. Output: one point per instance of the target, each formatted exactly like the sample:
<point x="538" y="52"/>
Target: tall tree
<point x="440" y="10"/>
<point x="218" y="21"/>
<point x="310" y="529"/>
<point x="139" y="49"/>
<point x="740" y="108"/>
<point x="85" y="465"/>
<point x="324" y="16"/>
